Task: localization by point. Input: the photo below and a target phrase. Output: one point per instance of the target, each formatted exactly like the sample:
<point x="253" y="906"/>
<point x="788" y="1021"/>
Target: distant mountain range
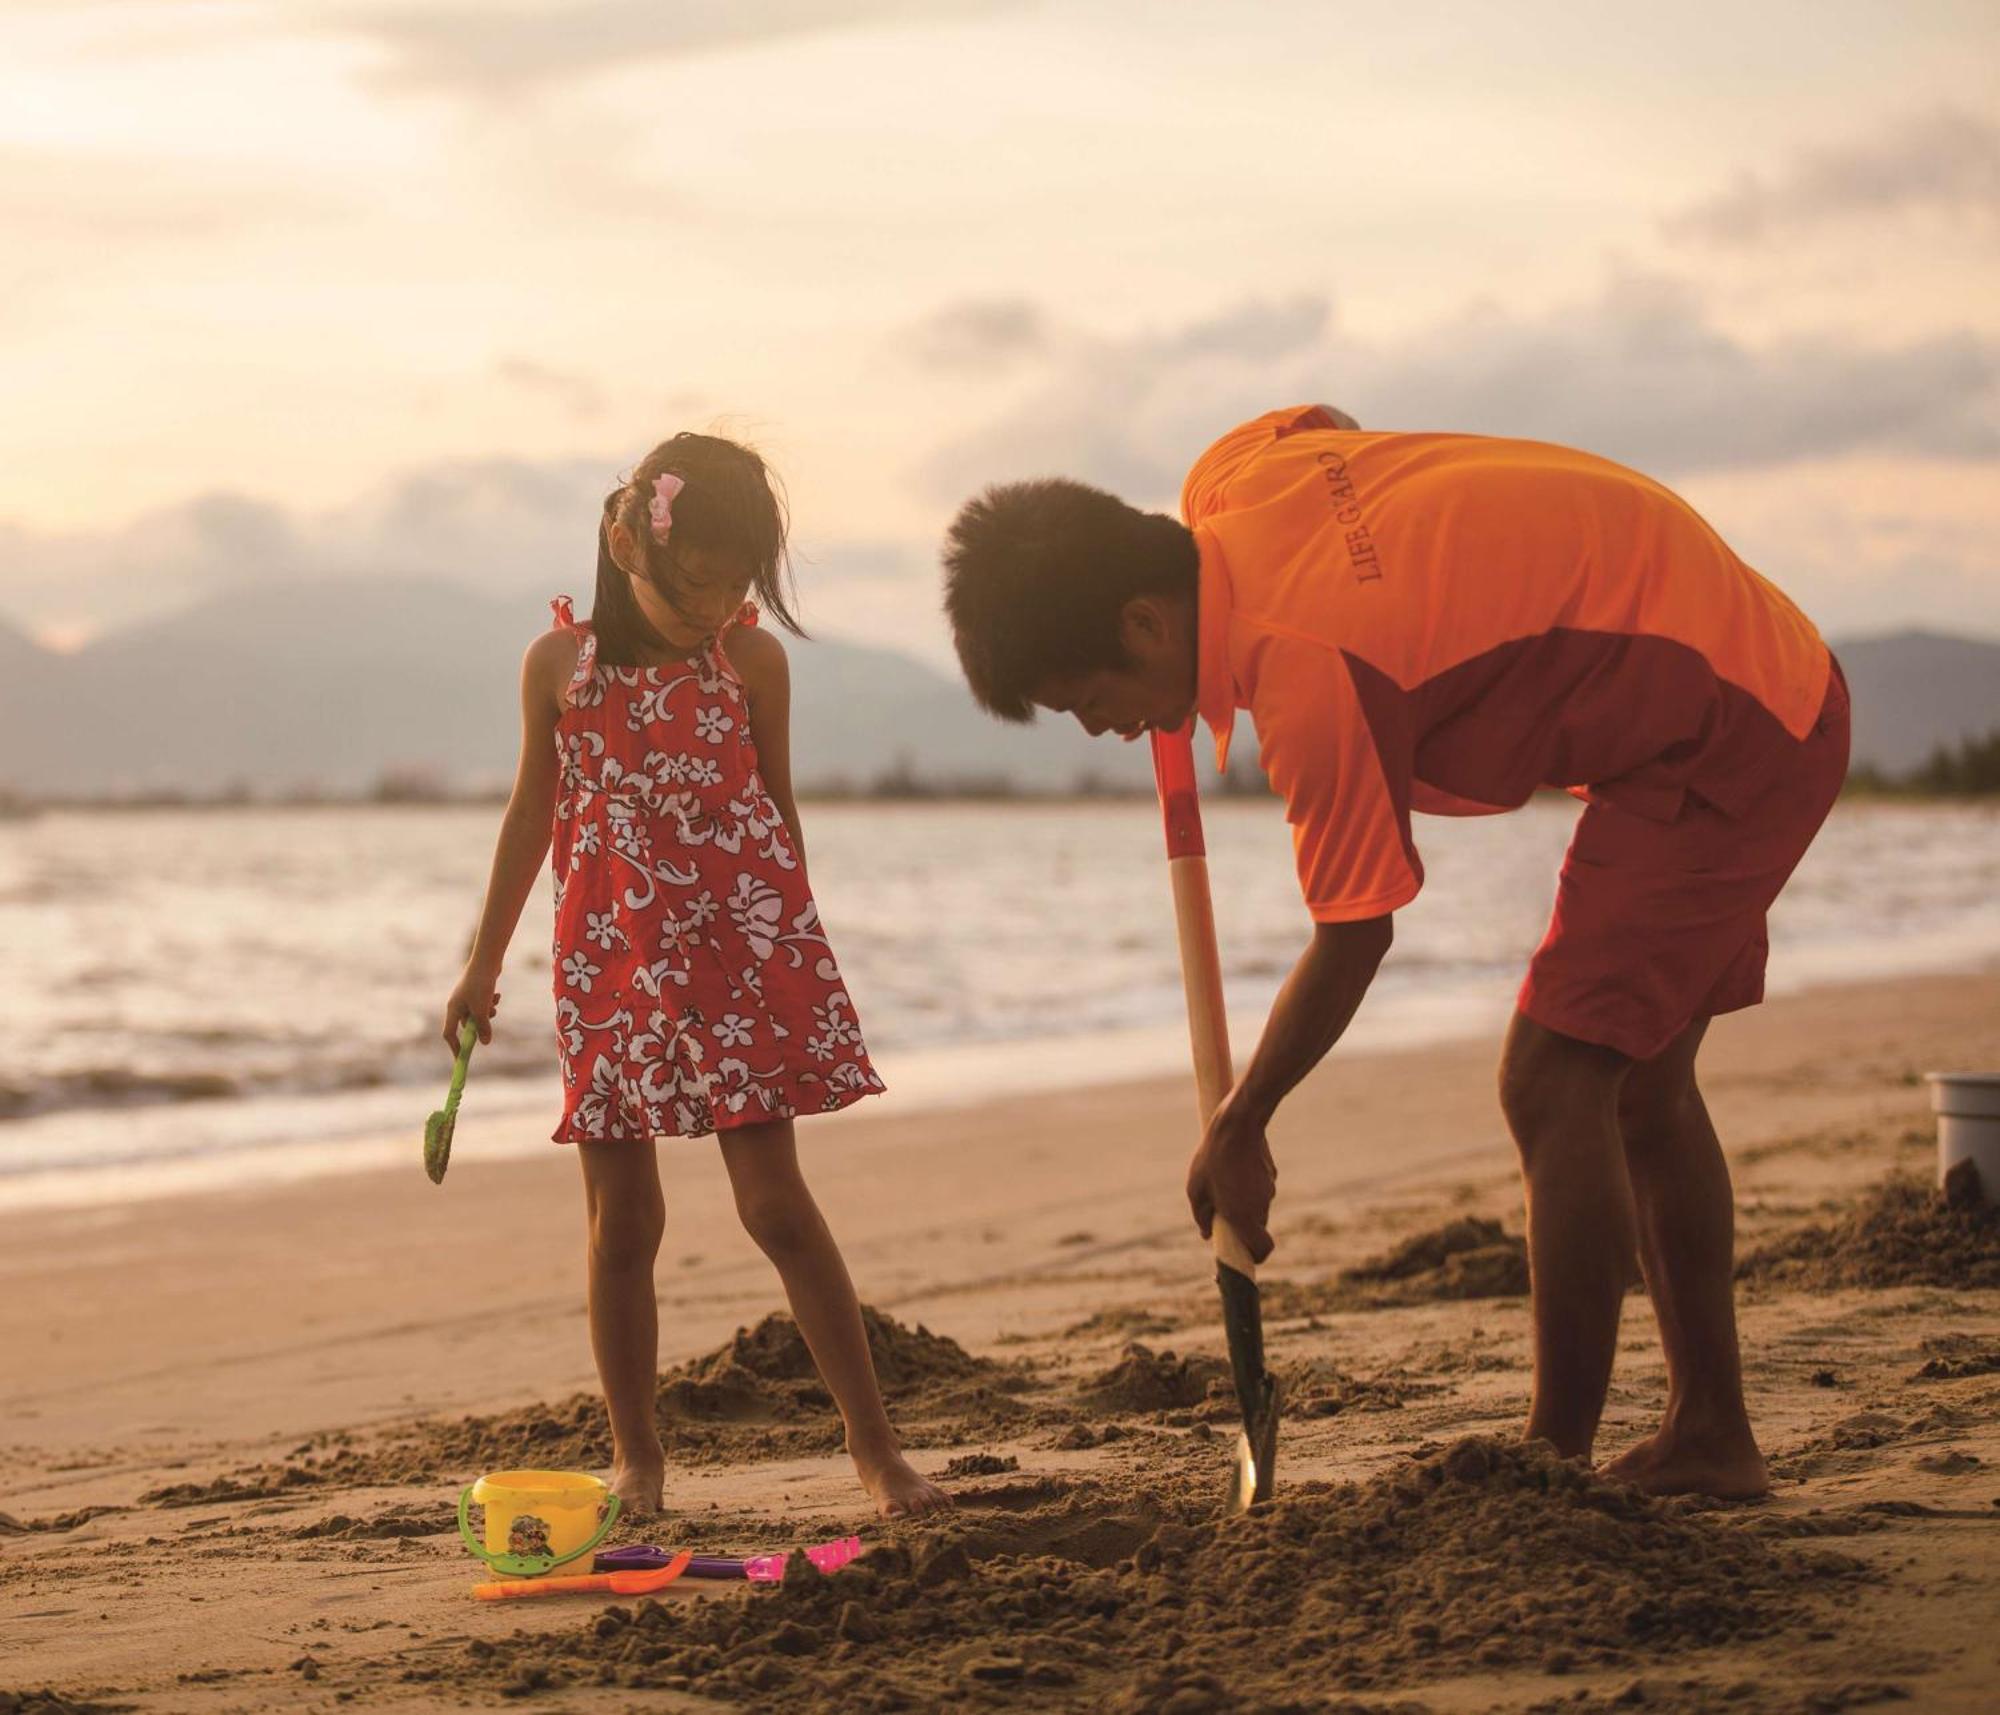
<point x="1915" y="690"/>
<point x="336" y="685"/>
<point x="339" y="684"/>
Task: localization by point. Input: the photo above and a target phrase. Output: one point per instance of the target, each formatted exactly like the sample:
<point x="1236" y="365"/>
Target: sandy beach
<point x="766" y="535"/>
<point x="237" y="1422"/>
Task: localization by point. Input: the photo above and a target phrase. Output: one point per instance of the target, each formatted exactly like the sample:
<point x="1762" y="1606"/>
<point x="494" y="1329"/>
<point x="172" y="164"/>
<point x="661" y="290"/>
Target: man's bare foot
<point x="898" y="1488"/>
<point x="1729" y="1467"/>
<point x="640" y="1489"/>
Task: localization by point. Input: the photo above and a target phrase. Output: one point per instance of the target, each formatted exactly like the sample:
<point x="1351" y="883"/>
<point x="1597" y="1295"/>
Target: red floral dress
<point x="695" y="990"/>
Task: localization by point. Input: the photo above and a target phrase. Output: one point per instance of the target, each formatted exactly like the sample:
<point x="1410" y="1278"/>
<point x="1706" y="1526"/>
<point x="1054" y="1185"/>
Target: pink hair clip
<point x="666" y="489"/>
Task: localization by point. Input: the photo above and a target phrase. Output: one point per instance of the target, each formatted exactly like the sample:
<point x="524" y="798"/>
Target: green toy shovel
<point x="438" y="1128"/>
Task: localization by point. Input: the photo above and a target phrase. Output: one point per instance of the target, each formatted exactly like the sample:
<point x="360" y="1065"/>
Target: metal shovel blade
<point x="1256" y="1455"/>
<point x="1257" y="1390"/>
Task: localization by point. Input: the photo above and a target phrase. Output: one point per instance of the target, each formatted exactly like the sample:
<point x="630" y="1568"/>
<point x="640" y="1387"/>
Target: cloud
<point x="504" y="525"/>
<point x="509" y="528"/>
<point x="1868" y="542"/>
<point x="499" y="49"/>
<point x="985" y="333"/>
<point x="1639" y="373"/>
<point x="1947" y="161"/>
<point x="1262" y="329"/>
<point x="1642" y="374"/>
<point x="979" y="335"/>
<point x="576" y="394"/>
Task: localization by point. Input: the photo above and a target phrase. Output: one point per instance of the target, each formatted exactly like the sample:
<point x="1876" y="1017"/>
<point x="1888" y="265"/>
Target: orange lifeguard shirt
<point x="1444" y="623"/>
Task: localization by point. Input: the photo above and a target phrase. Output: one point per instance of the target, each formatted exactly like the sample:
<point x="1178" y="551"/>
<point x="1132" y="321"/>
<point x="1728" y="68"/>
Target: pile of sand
<point x="1954" y="1357"/>
<point x="1318" y="1387"/>
<point x="758" y="1396"/>
<point x="1466" y="1258"/>
<point x="1904" y="1233"/>
<point x="1469" y="1257"/>
<point x="388" y="1524"/>
<point x="1145" y="1380"/>
<point x="52" y="1703"/>
<point x="767" y="1374"/>
<point x="258" y="1483"/>
<point x="981" y="1465"/>
<point x="10" y="1525"/>
<point x="1732" y="1696"/>
<point x="1128" y="1321"/>
<point x="1489" y="1555"/>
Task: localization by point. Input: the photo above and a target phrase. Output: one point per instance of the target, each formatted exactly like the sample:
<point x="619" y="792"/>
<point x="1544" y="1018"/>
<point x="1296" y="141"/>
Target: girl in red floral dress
<point x="695" y="989"/>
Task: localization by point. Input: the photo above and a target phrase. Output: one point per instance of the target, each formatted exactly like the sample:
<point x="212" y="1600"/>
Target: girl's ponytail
<point x="624" y="633"/>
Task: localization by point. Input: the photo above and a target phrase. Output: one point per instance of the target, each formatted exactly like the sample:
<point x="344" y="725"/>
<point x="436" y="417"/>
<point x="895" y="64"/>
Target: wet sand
<point x="238" y="1422"/>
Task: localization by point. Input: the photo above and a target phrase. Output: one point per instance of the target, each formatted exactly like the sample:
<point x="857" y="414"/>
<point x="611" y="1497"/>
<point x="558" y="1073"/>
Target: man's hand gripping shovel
<point x="1208" y="1034"/>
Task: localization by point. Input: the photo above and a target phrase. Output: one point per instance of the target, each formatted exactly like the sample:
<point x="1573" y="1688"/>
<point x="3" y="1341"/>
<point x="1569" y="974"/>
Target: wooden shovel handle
<point x="1201" y="962"/>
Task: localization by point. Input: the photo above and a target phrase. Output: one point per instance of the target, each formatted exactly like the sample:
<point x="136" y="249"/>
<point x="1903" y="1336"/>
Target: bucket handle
<point x="529" y="1565"/>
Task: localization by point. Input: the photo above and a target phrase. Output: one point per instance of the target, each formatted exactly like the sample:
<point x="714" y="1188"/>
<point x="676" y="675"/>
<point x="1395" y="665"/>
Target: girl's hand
<point x="475" y="998"/>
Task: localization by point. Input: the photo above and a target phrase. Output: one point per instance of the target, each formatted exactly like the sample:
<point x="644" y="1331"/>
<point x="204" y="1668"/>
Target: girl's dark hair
<point x="730" y="505"/>
<point x="1036" y="578"/>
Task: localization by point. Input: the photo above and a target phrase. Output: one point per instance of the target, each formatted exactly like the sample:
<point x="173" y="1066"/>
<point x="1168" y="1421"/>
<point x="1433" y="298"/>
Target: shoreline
<point x="261" y="1273"/>
<point x="990" y="952"/>
<point x="1869" y="787"/>
<point x="373" y="1129"/>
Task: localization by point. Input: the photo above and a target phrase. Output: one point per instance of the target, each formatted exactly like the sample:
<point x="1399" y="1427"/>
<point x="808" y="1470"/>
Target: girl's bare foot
<point x="641" y="1489"/>
<point x="1728" y="1467"/>
<point x="898" y="1488"/>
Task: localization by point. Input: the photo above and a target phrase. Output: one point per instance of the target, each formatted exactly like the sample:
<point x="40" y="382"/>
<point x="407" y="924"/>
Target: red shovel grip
<point x="1180" y="804"/>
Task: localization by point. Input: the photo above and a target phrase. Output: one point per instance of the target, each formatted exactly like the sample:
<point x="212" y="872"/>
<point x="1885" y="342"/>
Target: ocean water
<point x="199" y="997"/>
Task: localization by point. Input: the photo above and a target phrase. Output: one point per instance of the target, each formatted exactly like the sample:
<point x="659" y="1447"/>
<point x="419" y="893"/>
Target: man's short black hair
<point x="1036" y="576"/>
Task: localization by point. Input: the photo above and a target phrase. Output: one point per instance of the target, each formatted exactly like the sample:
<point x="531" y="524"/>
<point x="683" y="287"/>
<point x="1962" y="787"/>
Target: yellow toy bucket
<point x="536" y="1520"/>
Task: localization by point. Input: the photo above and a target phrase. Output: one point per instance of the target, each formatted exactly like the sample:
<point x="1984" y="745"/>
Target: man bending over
<point x="1445" y="624"/>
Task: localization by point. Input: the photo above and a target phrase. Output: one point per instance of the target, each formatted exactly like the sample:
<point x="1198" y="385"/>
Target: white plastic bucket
<point x="1968" y="1111"/>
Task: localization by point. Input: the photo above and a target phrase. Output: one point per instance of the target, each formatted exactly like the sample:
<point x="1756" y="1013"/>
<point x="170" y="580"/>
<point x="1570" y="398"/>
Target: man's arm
<point x="1345" y="787"/>
<point x="1232" y="1173"/>
<point x="1313" y="1009"/>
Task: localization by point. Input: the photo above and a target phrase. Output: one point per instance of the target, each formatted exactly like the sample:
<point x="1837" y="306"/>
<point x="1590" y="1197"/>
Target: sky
<point x="300" y="289"/>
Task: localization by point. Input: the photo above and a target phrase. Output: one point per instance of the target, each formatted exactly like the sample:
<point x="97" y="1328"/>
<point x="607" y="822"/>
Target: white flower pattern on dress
<point x="684" y="916"/>
<point x="569" y="1034"/>
<point x="755" y="909"/>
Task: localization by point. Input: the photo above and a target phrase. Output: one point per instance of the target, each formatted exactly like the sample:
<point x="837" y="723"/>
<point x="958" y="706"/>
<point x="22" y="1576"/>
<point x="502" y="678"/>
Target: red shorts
<point x="1658" y="924"/>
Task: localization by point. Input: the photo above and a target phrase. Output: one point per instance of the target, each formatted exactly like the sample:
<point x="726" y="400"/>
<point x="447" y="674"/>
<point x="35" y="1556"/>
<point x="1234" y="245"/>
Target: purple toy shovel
<point x="758" y="1568"/>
